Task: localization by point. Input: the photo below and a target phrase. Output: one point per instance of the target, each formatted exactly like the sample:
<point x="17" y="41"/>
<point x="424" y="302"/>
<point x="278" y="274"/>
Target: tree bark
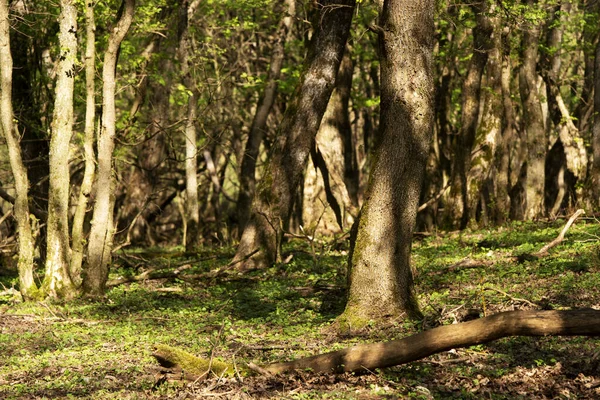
<point x="77" y="232"/>
<point x="457" y="207"/>
<point x="533" y="122"/>
<point x="57" y="281"/>
<point x="273" y="201"/>
<point x="259" y="123"/>
<point x="27" y="285"/>
<point x="101" y="235"/>
<point x="380" y="276"/>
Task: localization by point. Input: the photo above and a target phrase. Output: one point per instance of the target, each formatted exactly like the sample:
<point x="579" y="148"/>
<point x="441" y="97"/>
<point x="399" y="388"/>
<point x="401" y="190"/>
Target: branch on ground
<point x="387" y="354"/>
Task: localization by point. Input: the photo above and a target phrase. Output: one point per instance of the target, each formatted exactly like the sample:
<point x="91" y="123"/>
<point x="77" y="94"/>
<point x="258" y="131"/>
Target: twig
<point x="511" y="297"/>
<point x="544" y="250"/>
<point x="259" y="370"/>
<point x="433" y="199"/>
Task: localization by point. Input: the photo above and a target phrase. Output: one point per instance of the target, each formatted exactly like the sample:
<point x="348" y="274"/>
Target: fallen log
<point x="387" y="354"/>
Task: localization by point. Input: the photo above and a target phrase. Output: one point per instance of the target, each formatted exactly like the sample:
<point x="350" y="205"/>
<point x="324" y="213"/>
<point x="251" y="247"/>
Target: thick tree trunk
<point x="259" y="123"/>
<point x="77" y="232"/>
<point x="27" y="285"/>
<point x="101" y="235"/>
<point x="456" y="210"/>
<point x="273" y="201"/>
<point x="380" y="276"/>
<point x="57" y="281"/>
<point x="533" y="120"/>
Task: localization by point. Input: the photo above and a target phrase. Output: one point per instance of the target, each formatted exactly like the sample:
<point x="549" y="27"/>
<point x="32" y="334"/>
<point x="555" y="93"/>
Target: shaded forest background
<point x="201" y="88"/>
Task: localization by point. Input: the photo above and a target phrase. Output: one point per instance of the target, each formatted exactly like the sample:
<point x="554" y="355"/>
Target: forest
<point x="299" y="199"/>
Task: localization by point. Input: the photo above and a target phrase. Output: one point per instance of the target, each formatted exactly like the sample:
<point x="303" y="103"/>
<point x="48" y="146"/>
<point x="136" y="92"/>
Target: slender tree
<point x="77" y="233"/>
<point x="273" y="200"/>
<point x="101" y="234"/>
<point x="259" y="123"/>
<point x="27" y="285"/>
<point x="380" y="275"/>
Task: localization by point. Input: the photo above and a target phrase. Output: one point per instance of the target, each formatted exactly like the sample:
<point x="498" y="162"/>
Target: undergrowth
<point x="102" y="349"/>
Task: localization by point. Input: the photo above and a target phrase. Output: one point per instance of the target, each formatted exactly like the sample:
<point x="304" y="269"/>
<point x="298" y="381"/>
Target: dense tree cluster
<point x="141" y="123"/>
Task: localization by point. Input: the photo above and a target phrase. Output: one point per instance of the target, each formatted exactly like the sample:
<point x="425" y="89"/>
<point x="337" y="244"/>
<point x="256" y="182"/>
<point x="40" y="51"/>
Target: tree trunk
<point x="57" y="281"/>
<point x="490" y="126"/>
<point x="380" y="276"/>
<point x="328" y="163"/>
<point x="192" y="211"/>
<point x="274" y="197"/>
<point x="101" y="235"/>
<point x="457" y="207"/>
<point x="259" y="123"/>
<point x="27" y="285"/>
<point x="533" y="120"/>
<point x="77" y="232"/>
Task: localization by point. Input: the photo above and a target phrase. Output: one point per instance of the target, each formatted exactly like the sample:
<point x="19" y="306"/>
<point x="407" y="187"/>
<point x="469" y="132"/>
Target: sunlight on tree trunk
<point x="77" y="234"/>
<point x="27" y="286"/>
<point x="102" y="232"/>
<point x="57" y="281"/>
<point x="380" y="275"/>
<point x="533" y="121"/>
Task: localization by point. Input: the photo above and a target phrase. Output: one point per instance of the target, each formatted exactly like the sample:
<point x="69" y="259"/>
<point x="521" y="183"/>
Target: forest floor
<point x="102" y="349"/>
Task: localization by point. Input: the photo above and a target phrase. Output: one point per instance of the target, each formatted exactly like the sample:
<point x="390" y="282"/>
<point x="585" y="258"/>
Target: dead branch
<point x="544" y="250"/>
<point x="387" y="354"/>
<point x="465" y="263"/>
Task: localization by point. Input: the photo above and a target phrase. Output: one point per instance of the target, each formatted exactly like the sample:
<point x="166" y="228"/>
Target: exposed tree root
<point x="412" y="348"/>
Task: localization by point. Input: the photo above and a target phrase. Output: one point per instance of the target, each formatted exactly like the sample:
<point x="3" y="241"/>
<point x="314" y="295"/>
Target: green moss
<point x="173" y="357"/>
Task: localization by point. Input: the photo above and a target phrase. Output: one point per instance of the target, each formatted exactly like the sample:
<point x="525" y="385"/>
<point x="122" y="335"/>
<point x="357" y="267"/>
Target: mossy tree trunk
<point x="57" y="281"/>
<point x="533" y="123"/>
<point x="380" y="277"/>
<point x="27" y="285"/>
<point x="275" y="194"/>
<point x="101" y="234"/>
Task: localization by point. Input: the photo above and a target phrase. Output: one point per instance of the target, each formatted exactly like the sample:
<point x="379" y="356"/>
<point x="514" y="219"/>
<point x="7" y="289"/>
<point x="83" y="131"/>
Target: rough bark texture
<point x="380" y="277"/>
<point x="77" y="233"/>
<point x="259" y="123"/>
<point x="101" y="235"/>
<point x="57" y="281"/>
<point x="273" y="200"/>
<point x="456" y="210"/>
<point x="533" y="125"/>
<point x="513" y="323"/>
<point x="21" y="208"/>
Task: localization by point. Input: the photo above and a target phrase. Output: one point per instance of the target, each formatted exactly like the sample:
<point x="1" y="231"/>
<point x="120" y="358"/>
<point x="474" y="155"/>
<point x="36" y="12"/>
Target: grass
<point x="102" y="349"/>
